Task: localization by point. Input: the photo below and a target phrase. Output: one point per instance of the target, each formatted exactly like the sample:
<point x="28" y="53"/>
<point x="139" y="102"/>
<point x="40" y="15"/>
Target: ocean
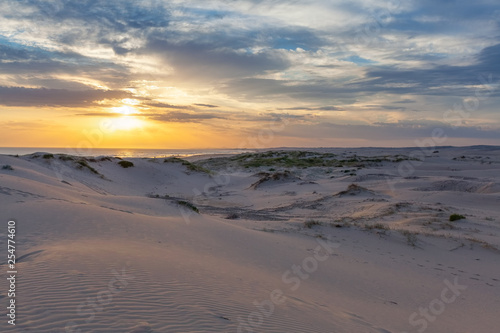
<point x="123" y="152"/>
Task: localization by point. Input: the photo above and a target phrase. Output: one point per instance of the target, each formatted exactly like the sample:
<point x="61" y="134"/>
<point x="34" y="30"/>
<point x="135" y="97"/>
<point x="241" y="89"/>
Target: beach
<point x="285" y="240"/>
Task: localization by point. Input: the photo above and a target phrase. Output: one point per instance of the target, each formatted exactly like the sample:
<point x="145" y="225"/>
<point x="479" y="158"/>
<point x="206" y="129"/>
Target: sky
<point x="249" y="73"/>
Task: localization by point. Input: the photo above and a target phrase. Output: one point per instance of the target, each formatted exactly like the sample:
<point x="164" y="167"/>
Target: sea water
<point x="122" y="152"/>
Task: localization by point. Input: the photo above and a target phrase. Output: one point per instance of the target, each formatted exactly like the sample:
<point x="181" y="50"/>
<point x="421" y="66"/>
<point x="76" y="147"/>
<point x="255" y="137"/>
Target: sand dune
<point x="347" y="245"/>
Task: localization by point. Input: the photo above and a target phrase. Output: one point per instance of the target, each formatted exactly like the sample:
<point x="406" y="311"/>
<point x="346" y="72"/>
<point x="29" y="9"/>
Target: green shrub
<point x="193" y="167"/>
<point x="190" y="166"/>
<point x="411" y="238"/>
<point x="83" y="164"/>
<point x="379" y="226"/>
<point x="48" y="156"/>
<point x="311" y="223"/>
<point x="7" y="167"/>
<point x="456" y="217"/>
<point x="188" y="205"/>
<point x="157" y="196"/>
<point x="66" y="158"/>
<point x="126" y="164"/>
<point x="173" y="160"/>
<point x="232" y="216"/>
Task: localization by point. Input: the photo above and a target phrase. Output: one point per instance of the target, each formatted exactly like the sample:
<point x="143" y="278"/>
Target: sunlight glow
<point x="130" y="101"/>
<point x="128" y="119"/>
<point x="125" y="110"/>
<point x="126" y="123"/>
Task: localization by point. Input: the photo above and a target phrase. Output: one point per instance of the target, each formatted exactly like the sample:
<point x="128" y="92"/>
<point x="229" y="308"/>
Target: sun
<point x="128" y="119"/>
<point x="125" y="110"/>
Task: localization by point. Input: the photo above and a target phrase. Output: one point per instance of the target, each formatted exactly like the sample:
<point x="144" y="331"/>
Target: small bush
<point x="311" y="223"/>
<point x="126" y="164"/>
<point x="157" y="196"/>
<point x="83" y="164"/>
<point x="7" y="167"/>
<point x="190" y="166"/>
<point x="48" y="156"/>
<point x="456" y="217"/>
<point x="411" y="238"/>
<point x="173" y="160"/>
<point x="232" y="216"/>
<point x="378" y="226"/>
<point x="188" y="205"/>
<point x="196" y="168"/>
<point x="66" y="158"/>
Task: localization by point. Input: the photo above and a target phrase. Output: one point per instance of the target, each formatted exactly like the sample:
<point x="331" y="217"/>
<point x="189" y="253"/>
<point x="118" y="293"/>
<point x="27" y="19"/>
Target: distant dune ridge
<point x="312" y="240"/>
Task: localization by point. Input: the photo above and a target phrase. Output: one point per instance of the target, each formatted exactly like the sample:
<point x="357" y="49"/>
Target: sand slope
<point x="116" y="250"/>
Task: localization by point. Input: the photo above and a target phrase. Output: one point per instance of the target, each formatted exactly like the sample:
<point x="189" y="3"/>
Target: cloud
<point x="117" y="16"/>
<point x="184" y="117"/>
<point x="384" y="107"/>
<point x="442" y="79"/>
<point x="205" y="105"/>
<point x="13" y="54"/>
<point x="100" y="114"/>
<point x="311" y="91"/>
<point x="273" y="116"/>
<point x="160" y="105"/>
<point x="386" y="131"/>
<point x="18" y="96"/>
<point x="19" y="61"/>
<point x="307" y="57"/>
<point x="319" y="108"/>
<point x="200" y="59"/>
<point x="405" y="101"/>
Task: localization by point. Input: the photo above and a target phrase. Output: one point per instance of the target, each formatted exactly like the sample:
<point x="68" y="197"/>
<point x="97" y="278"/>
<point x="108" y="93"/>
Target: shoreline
<point x="161" y="153"/>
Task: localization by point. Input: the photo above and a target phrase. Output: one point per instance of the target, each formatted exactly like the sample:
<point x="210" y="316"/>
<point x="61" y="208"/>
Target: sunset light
<point x="125" y="110"/>
<point x="333" y="73"/>
<point x="244" y="166"/>
<point x="126" y="123"/>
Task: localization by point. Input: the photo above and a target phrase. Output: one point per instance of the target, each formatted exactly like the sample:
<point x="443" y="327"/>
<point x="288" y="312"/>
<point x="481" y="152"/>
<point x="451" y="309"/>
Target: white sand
<point x="103" y="254"/>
